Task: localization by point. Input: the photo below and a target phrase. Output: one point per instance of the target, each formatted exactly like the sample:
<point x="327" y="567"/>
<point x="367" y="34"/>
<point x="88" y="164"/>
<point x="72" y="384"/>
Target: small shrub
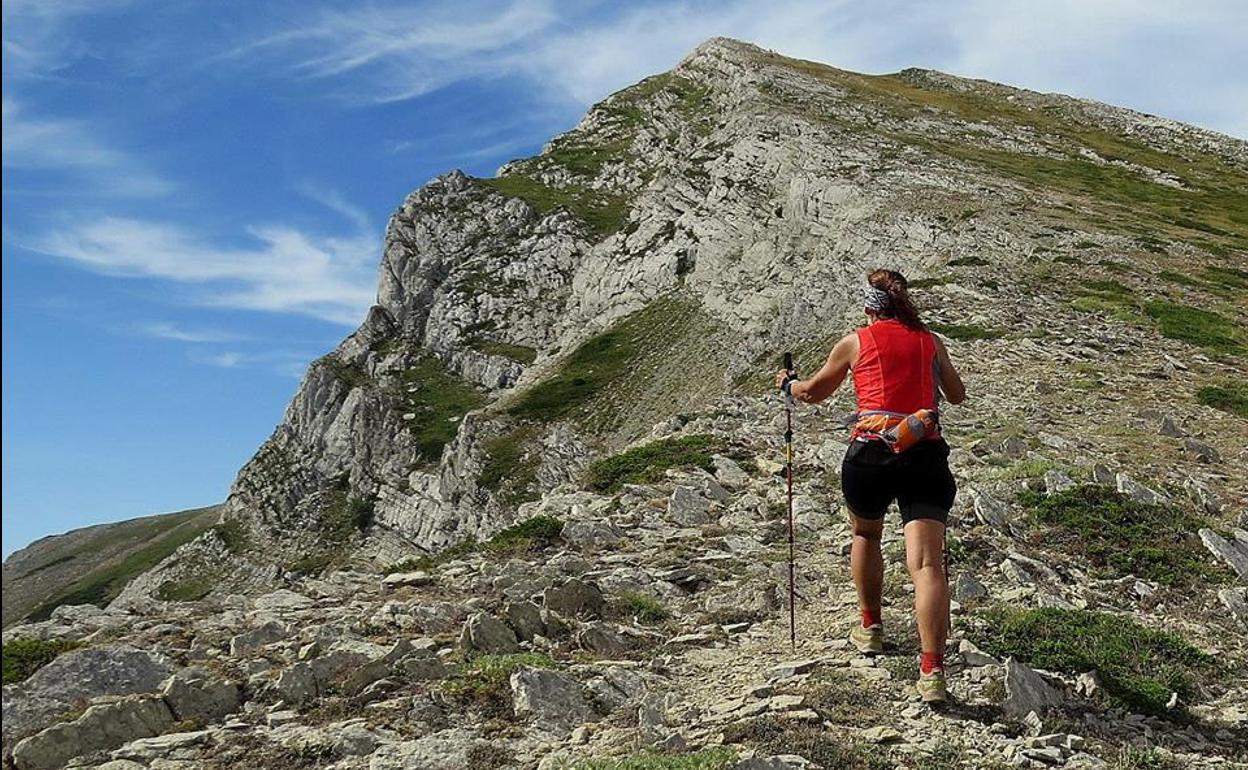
<point x="775" y="735"/>
<point x="965" y="331"/>
<point x="646" y="463"/>
<point x="233" y="535"/>
<point x="1231" y="396"/>
<point x="529" y="535"/>
<point x="521" y="353"/>
<point x="1122" y="536"/>
<point x="1133" y="758"/>
<point x="483" y="682"/>
<point x="344" y="516"/>
<point x="646" y="609"/>
<point x="1139" y="666"/>
<point x="187" y="589"/>
<point x="23" y="657"/>
<point x="509" y="466"/>
<point x="1198" y="327"/>
<point x="968" y="262"/>
<point x="718" y="758"/>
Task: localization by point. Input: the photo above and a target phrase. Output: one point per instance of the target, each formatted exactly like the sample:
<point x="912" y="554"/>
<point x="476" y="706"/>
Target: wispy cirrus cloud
<point x="286" y="270"/>
<point x="166" y="330"/>
<point x="284" y="362"/>
<point x="398" y="52"/>
<point x="72" y="148"/>
<point x="1173" y="59"/>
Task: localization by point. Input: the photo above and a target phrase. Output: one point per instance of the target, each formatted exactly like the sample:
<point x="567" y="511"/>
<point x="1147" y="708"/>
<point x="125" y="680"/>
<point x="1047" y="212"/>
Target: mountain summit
<point x="556" y="430"/>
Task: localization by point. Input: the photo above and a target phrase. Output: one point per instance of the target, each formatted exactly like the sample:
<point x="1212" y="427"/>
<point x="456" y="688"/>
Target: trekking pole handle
<point x="791" y="375"/>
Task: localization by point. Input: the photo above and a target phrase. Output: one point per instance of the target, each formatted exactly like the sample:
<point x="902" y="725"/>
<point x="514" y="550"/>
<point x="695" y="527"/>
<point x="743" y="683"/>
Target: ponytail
<point x="899" y="305"/>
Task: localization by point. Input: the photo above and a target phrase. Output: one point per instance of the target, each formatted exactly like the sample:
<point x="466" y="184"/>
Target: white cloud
<point x="402" y="52"/>
<point x="331" y="277"/>
<point x="283" y="362"/>
<point x="170" y="331"/>
<point x="72" y="147"/>
<point x="1179" y="60"/>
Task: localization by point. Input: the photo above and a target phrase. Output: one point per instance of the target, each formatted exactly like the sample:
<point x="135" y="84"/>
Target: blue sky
<point x="194" y="193"/>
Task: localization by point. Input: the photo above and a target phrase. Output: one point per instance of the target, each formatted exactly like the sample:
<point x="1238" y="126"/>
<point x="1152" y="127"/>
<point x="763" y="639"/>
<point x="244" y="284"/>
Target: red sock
<point x="931" y="660"/>
<point x="871" y="618"/>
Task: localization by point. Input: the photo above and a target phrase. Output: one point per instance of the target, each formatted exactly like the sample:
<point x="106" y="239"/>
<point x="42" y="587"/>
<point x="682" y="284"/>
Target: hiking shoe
<point x="869" y="641"/>
<point x="931" y="686"/>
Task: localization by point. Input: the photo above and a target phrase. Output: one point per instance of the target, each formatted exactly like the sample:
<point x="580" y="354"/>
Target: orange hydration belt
<point x="898" y="431"/>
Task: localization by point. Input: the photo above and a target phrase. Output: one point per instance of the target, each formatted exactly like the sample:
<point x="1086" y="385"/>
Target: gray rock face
<point x="100" y="728"/>
<point x="75" y="678"/>
<point x="200" y="701"/>
<point x="268" y="633"/>
<point x="1026" y="691"/>
<point x="552" y="700"/>
<point x="1138" y="491"/>
<point x="574" y="598"/>
<point x="687" y="507"/>
<point x="446" y="750"/>
<point x="1233" y="553"/>
<point x="525" y="618"/>
<point x="486" y="633"/>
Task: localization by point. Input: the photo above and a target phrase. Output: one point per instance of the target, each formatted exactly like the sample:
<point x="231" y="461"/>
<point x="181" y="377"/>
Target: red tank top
<point x="896" y="370"/>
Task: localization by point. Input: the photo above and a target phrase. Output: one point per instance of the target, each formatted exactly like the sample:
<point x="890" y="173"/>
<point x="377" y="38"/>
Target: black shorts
<point x="872" y="476"/>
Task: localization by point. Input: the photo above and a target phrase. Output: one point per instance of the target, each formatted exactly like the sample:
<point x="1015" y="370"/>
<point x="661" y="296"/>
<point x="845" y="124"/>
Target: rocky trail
<point x="530" y="514"/>
<point x="651" y="618"/>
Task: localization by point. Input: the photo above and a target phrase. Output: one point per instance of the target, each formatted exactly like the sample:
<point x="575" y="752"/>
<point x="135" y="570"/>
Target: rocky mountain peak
<point x="538" y="486"/>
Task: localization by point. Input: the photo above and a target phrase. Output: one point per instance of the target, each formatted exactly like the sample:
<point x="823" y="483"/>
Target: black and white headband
<point x="875" y="299"/>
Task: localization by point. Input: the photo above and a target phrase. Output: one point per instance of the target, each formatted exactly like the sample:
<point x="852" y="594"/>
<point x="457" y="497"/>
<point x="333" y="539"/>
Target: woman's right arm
<point x="950" y="381"/>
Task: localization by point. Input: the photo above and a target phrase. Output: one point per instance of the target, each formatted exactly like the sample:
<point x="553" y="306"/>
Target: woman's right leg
<point x="866" y="563"/>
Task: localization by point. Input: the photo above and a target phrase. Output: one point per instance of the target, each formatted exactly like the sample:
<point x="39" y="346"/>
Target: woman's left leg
<point x="925" y="558"/>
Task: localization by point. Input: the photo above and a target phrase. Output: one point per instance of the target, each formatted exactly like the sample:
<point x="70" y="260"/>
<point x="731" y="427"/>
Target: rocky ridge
<point x="528" y="324"/>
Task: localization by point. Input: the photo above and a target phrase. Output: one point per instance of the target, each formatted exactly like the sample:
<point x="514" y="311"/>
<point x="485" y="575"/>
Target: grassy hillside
<point x="92" y="565"/>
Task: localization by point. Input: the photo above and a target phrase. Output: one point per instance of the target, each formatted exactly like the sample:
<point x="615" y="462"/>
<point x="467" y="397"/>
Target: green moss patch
<point x="1140" y="667"/>
<point x="601" y="363"/>
<point x="529" y="535"/>
<point x="1231" y="396"/>
<point x="437" y="400"/>
<point x="644" y="608"/>
<point x="1119" y="536"/>
<point x="482" y="682"/>
<point x="646" y="464"/>
<point x="1198" y="327"/>
<point x="602" y="211"/>
<point x="509" y="465"/>
<point x="520" y="353"/>
<point x="718" y="758"/>
<point x="965" y="331"/>
<point x="23" y="657"/>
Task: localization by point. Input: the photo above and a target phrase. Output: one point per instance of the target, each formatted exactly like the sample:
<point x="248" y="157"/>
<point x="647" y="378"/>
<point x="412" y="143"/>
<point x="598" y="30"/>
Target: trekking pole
<point x="788" y="466"/>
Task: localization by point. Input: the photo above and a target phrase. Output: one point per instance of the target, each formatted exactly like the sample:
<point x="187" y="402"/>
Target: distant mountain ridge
<point x="92" y="564"/>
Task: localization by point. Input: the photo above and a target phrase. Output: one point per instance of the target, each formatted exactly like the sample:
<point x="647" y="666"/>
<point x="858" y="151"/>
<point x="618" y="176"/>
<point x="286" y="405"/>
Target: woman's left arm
<point x="825" y="381"/>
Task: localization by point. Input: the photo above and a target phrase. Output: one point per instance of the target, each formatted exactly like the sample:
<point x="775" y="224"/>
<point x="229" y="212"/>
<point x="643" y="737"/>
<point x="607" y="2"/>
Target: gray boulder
<point x="101" y="728"/>
<point x="525" y="618"/>
<point x="688" y="508"/>
<point x="602" y="639"/>
<point x="1233" y="552"/>
<point x="551" y="700"/>
<point x="591" y="534"/>
<point x="250" y="641"/>
<point x="75" y="678"/>
<point x="485" y="633"/>
<point x="1138" y="491"/>
<point x="1026" y="691"/>
<point x="445" y="750"/>
<point x="574" y="598"/>
<point x="200" y="701"/>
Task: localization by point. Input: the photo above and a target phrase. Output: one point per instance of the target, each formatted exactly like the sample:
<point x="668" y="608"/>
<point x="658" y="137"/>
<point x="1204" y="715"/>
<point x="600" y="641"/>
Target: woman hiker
<point x="900" y="369"/>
